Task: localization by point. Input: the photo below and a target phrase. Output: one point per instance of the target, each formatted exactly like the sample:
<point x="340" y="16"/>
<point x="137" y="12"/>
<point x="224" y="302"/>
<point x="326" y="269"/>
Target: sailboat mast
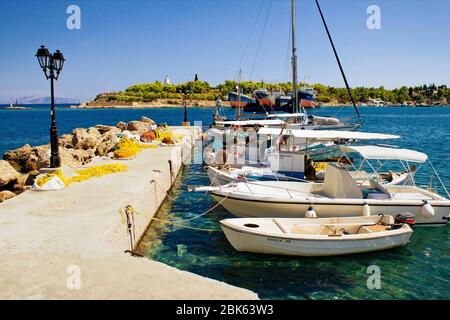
<point x="238" y="115"/>
<point x="294" y="60"/>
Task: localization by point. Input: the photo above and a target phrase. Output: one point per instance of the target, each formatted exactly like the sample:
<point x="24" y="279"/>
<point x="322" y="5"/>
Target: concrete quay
<point x="70" y="244"/>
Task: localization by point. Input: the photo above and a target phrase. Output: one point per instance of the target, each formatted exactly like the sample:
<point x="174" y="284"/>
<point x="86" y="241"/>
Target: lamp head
<point x="44" y="57"/>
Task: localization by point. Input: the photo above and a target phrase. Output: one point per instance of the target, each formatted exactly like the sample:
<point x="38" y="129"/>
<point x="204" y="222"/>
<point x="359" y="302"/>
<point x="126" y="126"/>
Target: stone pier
<point x="70" y="244"/>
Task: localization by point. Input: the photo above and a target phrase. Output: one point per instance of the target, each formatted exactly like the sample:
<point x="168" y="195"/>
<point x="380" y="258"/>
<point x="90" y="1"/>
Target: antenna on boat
<point x="338" y="61"/>
<point x="294" y="60"/>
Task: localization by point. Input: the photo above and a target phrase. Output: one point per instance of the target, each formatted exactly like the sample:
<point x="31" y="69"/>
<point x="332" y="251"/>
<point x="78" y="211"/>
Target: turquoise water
<point x="417" y="271"/>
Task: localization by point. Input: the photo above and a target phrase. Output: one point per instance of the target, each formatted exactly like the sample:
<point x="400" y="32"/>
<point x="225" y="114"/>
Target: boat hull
<point x="244" y="100"/>
<point x="279" y="245"/>
<point x="247" y="206"/>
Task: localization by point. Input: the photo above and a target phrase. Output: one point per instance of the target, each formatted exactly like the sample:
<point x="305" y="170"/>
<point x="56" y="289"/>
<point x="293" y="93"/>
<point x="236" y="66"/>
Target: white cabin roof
<point x="286" y="115"/>
<point x="271" y="122"/>
<point x="328" y="134"/>
<point x="383" y="153"/>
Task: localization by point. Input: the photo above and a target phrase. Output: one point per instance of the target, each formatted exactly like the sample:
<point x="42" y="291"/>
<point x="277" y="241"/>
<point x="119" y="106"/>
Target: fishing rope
<point x="185" y="226"/>
<point x="131" y="211"/>
<point x="209" y="210"/>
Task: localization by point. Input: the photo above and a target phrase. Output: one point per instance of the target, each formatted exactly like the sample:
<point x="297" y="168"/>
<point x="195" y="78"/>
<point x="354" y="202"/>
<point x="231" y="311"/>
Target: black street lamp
<point x="52" y="66"/>
<point x="185" y="122"/>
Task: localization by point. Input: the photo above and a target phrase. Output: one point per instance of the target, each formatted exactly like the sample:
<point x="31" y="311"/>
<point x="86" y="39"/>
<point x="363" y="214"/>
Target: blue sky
<point x="121" y="43"/>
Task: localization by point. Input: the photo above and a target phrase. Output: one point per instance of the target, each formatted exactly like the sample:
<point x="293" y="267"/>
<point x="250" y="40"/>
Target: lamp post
<point x="52" y="65"/>
<point x="185" y="122"/>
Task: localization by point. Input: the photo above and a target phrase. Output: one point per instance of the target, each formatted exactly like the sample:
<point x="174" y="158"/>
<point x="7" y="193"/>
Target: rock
<point x="43" y="155"/>
<point x="8" y="175"/>
<point x="29" y="162"/>
<point x="138" y="127"/>
<point x="121" y="125"/>
<point x="106" y="143"/>
<point x="20" y="185"/>
<point x="14" y="156"/>
<point x="5" y="195"/>
<point x="31" y="177"/>
<point x="67" y="158"/>
<point x="66" y="141"/>
<point x="104" y="129"/>
<point x="81" y="156"/>
<point x="147" y="120"/>
<point x="85" y="138"/>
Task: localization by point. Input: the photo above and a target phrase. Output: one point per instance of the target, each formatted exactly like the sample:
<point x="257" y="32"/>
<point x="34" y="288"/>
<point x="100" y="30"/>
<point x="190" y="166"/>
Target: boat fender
<point x="366" y="210"/>
<point x="310" y="213"/>
<point x="427" y="210"/>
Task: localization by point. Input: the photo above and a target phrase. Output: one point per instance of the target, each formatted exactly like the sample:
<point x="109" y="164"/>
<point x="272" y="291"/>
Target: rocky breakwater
<point x="19" y="167"/>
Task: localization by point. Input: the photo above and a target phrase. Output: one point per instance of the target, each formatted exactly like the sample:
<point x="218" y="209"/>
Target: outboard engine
<point x="406" y="217"/>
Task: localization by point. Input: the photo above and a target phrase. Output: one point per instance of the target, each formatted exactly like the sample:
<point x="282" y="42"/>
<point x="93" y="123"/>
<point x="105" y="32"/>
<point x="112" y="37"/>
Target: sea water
<point x="419" y="270"/>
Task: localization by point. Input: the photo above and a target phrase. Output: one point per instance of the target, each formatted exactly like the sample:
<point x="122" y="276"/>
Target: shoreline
<point x="159" y="103"/>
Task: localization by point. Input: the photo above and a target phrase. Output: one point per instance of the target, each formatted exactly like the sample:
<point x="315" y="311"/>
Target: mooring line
<point x="185" y="226"/>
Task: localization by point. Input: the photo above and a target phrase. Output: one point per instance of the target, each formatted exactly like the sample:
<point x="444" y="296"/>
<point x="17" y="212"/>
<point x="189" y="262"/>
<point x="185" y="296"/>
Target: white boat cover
<point x="328" y="134"/>
<point x="383" y="153"/>
<point x="263" y="122"/>
<point x="285" y="115"/>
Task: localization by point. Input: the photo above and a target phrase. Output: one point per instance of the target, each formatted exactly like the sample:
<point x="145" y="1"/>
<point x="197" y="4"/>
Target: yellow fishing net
<point x="128" y="148"/>
<point x="83" y="174"/>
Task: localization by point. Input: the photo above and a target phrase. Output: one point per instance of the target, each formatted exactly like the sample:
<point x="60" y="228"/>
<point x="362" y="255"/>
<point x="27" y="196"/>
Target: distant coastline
<point x="158" y="103"/>
<point x="202" y="94"/>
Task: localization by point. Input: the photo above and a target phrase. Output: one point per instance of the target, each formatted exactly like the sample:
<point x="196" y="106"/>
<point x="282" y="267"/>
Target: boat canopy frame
<point x="420" y="159"/>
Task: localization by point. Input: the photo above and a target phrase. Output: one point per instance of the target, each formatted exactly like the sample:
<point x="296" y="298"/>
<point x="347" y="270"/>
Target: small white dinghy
<point x="315" y="236"/>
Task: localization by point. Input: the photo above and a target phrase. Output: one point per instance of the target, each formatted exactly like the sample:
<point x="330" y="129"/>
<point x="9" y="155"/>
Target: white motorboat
<point x="315" y="237"/>
<point x="338" y="196"/>
<point x="226" y="175"/>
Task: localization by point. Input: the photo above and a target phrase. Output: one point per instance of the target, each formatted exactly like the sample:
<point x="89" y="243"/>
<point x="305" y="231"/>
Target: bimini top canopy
<point x="285" y="115"/>
<point x="383" y="153"/>
<point x="273" y="122"/>
<point x="328" y="134"/>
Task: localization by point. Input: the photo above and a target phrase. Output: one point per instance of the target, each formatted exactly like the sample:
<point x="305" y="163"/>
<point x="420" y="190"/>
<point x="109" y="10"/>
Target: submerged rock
<point x="181" y="250"/>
